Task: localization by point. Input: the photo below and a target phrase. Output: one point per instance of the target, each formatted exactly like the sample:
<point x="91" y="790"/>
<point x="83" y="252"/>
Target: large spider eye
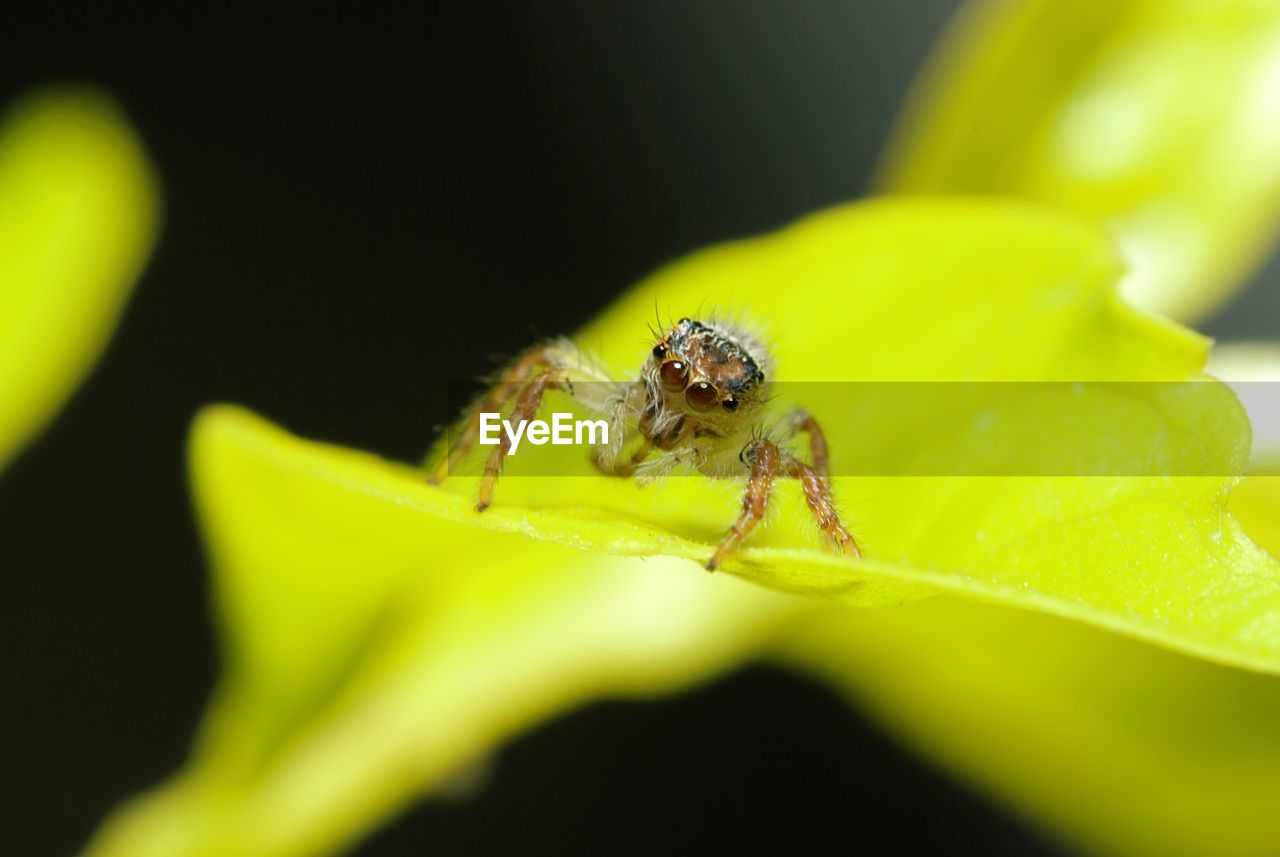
<point x="702" y="396"/>
<point x="659" y="351"/>
<point x="675" y="375"/>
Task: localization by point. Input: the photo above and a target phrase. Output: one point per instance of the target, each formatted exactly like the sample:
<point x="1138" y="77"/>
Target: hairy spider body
<point x="698" y="404"/>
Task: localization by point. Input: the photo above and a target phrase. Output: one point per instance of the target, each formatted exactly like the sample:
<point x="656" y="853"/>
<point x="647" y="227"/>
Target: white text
<point x="562" y="430"/>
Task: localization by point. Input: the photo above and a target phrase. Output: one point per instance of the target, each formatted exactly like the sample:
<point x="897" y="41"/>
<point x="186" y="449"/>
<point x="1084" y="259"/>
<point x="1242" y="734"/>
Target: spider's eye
<point x="730" y="405"/>
<point x="701" y="396"/>
<point x="675" y="375"/>
<point x="659" y="351"/>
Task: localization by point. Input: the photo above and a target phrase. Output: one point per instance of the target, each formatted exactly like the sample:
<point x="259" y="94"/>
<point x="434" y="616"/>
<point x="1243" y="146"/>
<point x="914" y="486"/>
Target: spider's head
<point x="713" y="370"/>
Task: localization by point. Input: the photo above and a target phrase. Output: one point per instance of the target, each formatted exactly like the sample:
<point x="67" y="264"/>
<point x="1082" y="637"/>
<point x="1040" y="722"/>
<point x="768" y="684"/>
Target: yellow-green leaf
<point x="1119" y="748"/>
<point x="78" y="217"/>
<point x="379" y="632"/>
<point x="1256" y="502"/>
<point x="944" y="290"/>
<point x="372" y="647"/>
<point x="1149" y="752"/>
<point x="1160" y="117"/>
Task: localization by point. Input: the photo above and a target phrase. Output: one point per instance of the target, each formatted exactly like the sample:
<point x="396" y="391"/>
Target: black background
<point x="360" y="210"/>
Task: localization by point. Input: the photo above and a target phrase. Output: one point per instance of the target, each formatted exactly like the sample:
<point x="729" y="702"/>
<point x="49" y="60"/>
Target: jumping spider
<point x="698" y="402"/>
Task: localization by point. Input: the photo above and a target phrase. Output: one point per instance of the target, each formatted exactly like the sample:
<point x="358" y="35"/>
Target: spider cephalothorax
<point x="704" y="380"/>
<point x="697" y="404"/>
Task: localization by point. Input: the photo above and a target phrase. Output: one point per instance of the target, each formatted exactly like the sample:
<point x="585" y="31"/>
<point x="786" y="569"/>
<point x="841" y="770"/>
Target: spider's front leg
<point x="821" y="503"/>
<point x="610" y="465"/>
<point x="619" y="406"/>
<point x="768" y="462"/>
<point x="802" y="421"/>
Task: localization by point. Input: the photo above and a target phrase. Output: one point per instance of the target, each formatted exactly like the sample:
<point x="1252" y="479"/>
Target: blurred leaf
<point x="1253" y="368"/>
<point x="372" y="648"/>
<point x="1161" y="117"/>
<point x="1256" y="502"/>
<point x="379" y="633"/>
<point x="1253" y="371"/>
<point x="1117" y="747"/>
<point x="77" y="222"/>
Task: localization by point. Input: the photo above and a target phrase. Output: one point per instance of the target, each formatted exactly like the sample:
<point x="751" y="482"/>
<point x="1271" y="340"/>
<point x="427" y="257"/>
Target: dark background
<point x="358" y="211"/>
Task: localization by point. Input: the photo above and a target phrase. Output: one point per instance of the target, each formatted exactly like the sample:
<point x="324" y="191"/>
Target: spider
<point x="698" y="404"/>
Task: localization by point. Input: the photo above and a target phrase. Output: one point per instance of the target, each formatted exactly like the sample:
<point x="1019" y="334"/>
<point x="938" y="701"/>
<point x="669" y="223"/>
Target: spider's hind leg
<point x="512" y="380"/>
<point x="560" y="357"/>
<point x="526" y="408"/>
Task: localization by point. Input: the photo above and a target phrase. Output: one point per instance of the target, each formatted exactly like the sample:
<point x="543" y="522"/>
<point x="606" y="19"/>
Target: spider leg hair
<point x="767" y="462"/>
<point x="526" y="408"/>
<point x="801" y="421"/>
<point x="559" y="355"/>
